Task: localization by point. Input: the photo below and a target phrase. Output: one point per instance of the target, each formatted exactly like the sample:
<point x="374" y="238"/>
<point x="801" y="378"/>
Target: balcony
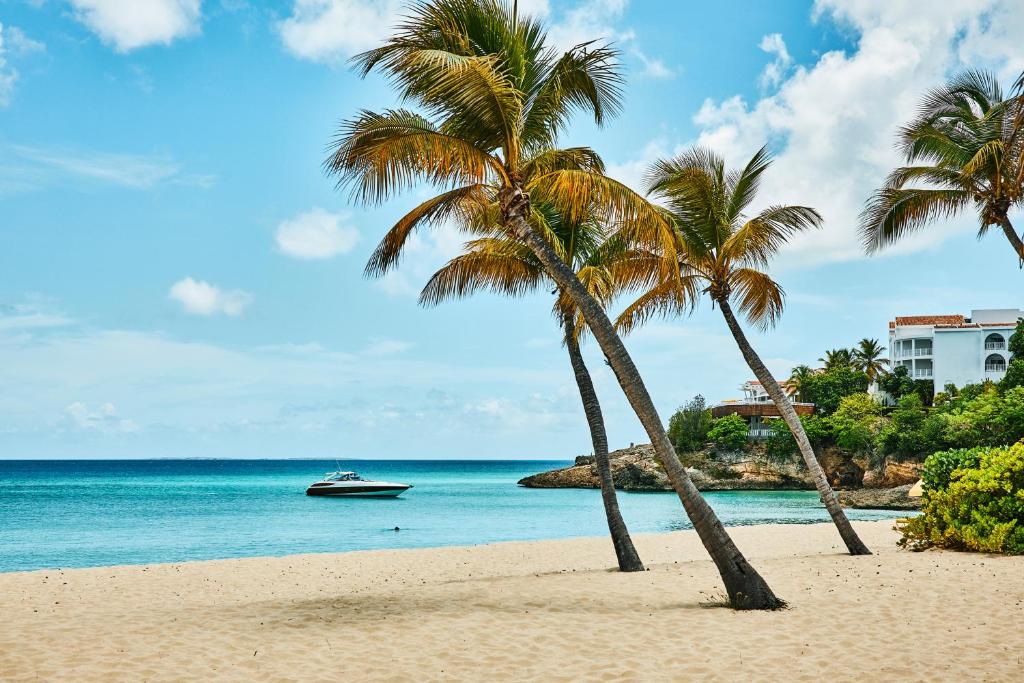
<point x="913" y="353"/>
<point x="750" y="409"/>
<point x="995" y="367"/>
<point x="922" y="374"/>
<point x="995" y="346"/>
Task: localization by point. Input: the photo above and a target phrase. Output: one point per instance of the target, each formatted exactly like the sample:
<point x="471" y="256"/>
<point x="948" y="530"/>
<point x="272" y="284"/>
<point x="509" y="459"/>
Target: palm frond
<point x="893" y="213"/>
<point x="760" y="238"/>
<point x="495" y="265"/>
<point x="760" y="298"/>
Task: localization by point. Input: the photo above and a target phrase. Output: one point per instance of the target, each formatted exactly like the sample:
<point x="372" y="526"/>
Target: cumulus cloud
<point x="773" y="44"/>
<point x="832" y="123"/>
<point x="199" y="297"/>
<point x="130" y="24"/>
<point x="333" y="30"/>
<point x="316" y="234"/>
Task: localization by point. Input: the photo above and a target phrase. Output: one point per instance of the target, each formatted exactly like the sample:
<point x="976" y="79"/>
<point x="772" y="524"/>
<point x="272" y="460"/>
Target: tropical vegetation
<point x="974" y="500"/>
<point x="493" y="99"/>
<point x="504" y="266"/>
<point x="724" y="252"/>
<point x="964" y="151"/>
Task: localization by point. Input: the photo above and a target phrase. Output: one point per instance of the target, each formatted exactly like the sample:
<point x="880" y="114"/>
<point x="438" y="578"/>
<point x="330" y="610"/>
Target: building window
<point x="995" y="363"/>
<point x="995" y="342"/>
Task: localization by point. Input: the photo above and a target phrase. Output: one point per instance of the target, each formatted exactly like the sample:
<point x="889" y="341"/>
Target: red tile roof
<point x="928" y="320"/>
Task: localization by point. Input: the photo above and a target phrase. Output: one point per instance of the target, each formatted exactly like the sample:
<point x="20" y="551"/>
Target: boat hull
<point x="357" y="491"/>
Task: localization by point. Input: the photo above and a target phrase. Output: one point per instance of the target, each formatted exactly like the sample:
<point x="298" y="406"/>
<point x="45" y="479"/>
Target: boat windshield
<point x="341" y="476"/>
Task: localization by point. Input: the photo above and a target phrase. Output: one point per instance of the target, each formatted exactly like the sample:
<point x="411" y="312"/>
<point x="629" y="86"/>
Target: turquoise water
<point x="92" y="513"/>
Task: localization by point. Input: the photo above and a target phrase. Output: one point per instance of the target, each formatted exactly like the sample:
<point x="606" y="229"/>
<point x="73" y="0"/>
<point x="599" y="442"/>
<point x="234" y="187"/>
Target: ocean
<point x="86" y="513"/>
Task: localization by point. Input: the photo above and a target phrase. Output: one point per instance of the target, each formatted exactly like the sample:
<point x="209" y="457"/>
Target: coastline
<point x="536" y="609"/>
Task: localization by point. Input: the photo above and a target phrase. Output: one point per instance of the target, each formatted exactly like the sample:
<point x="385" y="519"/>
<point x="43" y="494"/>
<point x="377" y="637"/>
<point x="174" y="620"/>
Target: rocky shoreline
<point x="636" y="469"/>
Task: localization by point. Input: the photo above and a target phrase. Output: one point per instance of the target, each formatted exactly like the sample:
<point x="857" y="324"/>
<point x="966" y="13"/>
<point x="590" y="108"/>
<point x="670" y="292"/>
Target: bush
<point x="856" y="423"/>
<point x="781" y="445"/>
<point x="826" y="389"/>
<point x="981" y="508"/>
<point x="688" y="427"/>
<point x="939" y="467"/>
<point x="729" y="433"/>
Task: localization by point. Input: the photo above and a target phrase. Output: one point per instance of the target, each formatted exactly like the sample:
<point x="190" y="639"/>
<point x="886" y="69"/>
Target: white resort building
<point x="952" y="349"/>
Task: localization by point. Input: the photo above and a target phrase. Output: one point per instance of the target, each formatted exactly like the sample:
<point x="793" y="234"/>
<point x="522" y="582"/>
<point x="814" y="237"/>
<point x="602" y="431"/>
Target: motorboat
<point x="351" y="484"/>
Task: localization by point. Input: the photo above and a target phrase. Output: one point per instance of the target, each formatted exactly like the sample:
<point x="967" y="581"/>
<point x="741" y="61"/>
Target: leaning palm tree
<point x="495" y="98"/>
<point x="964" y="150"/>
<point x="505" y="266"/>
<point x="723" y="253"/>
<point x="867" y="358"/>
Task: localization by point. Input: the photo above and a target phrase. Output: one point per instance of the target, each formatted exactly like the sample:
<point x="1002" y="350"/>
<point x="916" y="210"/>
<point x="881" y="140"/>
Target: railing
<point x="759" y="433"/>
<point x="995" y="367"/>
<point x="995" y="346"/>
<point x="912" y="353"/>
<point x="924" y="374"/>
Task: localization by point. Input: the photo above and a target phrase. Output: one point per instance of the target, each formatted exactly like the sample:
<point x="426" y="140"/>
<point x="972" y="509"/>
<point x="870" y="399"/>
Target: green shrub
<point x="856" y="422"/>
<point x="939" y="467"/>
<point x="781" y="445"/>
<point x="826" y="389"/>
<point x="688" y="427"/>
<point x="729" y="433"/>
<point x="981" y="508"/>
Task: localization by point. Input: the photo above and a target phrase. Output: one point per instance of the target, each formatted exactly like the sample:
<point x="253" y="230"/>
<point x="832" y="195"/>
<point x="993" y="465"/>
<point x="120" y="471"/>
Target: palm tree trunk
<point x="745" y="587"/>
<point x="629" y="560"/>
<point x="828" y="496"/>
<point x="1013" y="237"/>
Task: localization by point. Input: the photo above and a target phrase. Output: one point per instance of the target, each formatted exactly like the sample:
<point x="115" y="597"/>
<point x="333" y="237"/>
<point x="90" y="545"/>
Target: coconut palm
<point x="723" y="253"/>
<point x="834" y="359"/>
<point x="798" y="378"/>
<point x="505" y="266"/>
<point x="495" y="98"/>
<point x="867" y="358"/>
<point x="964" y="150"/>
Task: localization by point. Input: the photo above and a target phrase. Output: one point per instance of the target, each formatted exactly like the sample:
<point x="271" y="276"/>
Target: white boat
<point x="351" y="484"/>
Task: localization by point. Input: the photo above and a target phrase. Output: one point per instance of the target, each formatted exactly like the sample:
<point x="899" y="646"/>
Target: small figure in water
<point x="397" y="529"/>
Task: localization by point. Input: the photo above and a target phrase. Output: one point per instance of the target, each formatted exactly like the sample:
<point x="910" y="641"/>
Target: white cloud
<point x="104" y="420"/>
<point x="773" y="44"/>
<point x="20" y="44"/>
<point x="653" y="68"/>
<point x="832" y="123"/>
<point x="316" y="234"/>
<point x="331" y="31"/>
<point x="199" y="297"/>
<point x="131" y="24"/>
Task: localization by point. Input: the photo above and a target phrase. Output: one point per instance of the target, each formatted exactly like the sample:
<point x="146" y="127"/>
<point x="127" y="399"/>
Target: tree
<point x="799" y="377"/>
<point x="722" y="251"/>
<point x="496" y="99"/>
<point x="827" y="388"/>
<point x="729" y="433"/>
<point x="856" y="422"/>
<point x="867" y="358"/>
<point x="1015" y="369"/>
<point x="897" y="383"/>
<point x="835" y="359"/>
<point x="688" y="427"/>
<point x="505" y="266"/>
<point x="964" y="150"/>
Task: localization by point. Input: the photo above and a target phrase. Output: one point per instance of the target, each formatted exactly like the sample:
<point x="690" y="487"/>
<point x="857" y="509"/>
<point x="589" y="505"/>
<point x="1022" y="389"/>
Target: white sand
<point x="528" y="611"/>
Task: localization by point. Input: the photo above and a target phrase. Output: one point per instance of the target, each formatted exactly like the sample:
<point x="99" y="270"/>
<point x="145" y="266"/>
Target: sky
<point x="178" y="277"/>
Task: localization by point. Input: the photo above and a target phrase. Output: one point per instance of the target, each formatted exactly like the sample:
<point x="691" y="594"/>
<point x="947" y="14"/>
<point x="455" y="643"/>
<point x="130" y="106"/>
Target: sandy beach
<point x="547" y="610"/>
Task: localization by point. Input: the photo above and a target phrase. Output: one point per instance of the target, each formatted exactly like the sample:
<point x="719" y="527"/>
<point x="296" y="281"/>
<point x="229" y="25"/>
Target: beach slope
<point x="548" y="610"/>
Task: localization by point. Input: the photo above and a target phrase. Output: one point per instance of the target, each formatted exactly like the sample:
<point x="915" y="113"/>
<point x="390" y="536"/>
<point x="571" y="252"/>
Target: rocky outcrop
<point x="892" y="475"/>
<point x="636" y="469"/>
<point x="895" y="498"/>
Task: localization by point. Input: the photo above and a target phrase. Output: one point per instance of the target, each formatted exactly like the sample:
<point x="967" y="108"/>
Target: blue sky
<point x="179" y="279"/>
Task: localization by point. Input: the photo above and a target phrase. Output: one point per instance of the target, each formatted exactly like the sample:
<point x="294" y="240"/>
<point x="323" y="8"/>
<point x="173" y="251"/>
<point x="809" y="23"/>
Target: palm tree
<point x="798" y="377"/>
<point x="964" y="149"/>
<point x="835" y="359"/>
<point x="496" y="97"/>
<point x="723" y="253"/>
<point x="867" y="358"/>
<point x="506" y="266"/>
